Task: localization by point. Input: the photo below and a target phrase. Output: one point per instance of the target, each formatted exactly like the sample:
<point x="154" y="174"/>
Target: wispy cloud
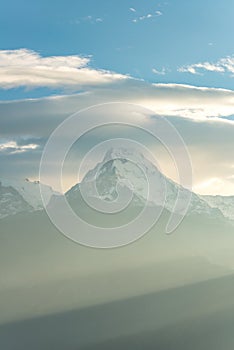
<point x="132" y="9"/>
<point x="27" y="68"/>
<point x="224" y="65"/>
<point x="12" y="147"/>
<point x="158" y="13"/>
<point x="147" y="16"/>
<point x="87" y="19"/>
<point x="159" y="72"/>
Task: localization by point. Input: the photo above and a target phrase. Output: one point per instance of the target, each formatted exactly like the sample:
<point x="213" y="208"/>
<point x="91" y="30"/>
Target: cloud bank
<point x="26" y="68"/>
<point x="203" y="116"/>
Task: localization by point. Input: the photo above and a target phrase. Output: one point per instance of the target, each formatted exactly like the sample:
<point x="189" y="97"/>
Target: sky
<point x="174" y="57"/>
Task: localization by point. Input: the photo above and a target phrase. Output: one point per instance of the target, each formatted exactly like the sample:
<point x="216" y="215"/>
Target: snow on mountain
<point x="21" y="195"/>
<point x="122" y="171"/>
<point x="224" y="203"/>
<point x="130" y="169"/>
<point x="127" y="169"/>
<point x="11" y="202"/>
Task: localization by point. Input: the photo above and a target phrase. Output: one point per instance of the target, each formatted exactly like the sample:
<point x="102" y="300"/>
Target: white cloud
<point x="197" y="103"/>
<point x="158" y="13"/>
<point x="142" y="18"/>
<point x="27" y="68"/>
<point x="89" y="19"/>
<point x="11" y="147"/>
<point x="132" y="9"/>
<point x="224" y="65"/>
<point x="148" y="16"/>
<point x="159" y="72"/>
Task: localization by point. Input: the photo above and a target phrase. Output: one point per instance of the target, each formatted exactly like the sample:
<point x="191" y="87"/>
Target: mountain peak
<point x="18" y="195"/>
<point x="131" y="155"/>
<point x="127" y="168"/>
<point x="122" y="152"/>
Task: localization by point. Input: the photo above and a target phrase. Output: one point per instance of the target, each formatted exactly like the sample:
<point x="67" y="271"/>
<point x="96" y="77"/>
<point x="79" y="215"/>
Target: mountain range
<point x="121" y="170"/>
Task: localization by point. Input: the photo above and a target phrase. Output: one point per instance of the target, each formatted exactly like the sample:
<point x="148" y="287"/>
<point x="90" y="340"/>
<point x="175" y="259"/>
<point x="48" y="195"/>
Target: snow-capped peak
<point x="29" y="190"/>
<point x="18" y="195"/>
<point x="131" y="155"/>
<point x="132" y="169"/>
<point x="129" y="168"/>
<point x="224" y="203"/>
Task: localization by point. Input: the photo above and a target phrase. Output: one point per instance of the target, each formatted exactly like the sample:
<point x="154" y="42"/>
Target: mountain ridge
<point x="121" y="171"/>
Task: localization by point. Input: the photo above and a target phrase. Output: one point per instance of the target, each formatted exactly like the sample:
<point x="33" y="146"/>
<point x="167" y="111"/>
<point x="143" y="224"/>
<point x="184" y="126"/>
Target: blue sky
<point x="178" y="33"/>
